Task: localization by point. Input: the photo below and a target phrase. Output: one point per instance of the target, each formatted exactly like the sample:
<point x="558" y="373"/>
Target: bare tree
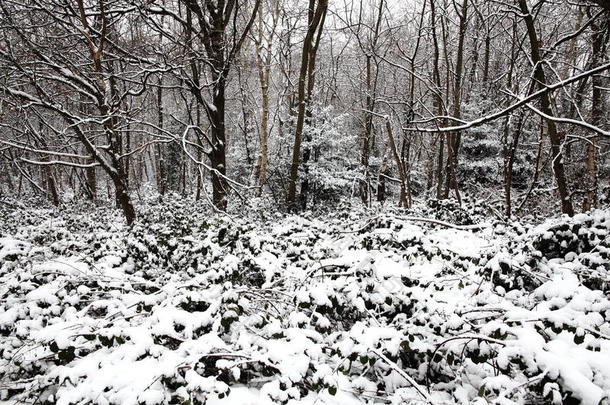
<point x="546" y="107"/>
<point x="210" y="38"/>
<point x="42" y="73"/>
<point x="316" y="15"/>
<point x="264" y="56"/>
<point x="599" y="40"/>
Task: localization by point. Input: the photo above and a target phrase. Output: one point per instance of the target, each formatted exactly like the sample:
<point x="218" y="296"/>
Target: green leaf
<point x="450" y="358"/>
<point x="106" y="341"/>
<point x="67" y="355"/>
<point x="221" y="234"/>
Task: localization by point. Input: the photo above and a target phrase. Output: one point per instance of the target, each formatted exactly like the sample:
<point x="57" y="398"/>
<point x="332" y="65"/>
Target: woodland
<point x="304" y="202"/>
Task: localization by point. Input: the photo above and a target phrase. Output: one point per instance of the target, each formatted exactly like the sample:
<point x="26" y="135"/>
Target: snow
<point x="12" y="247"/>
<point x="461" y="242"/>
<point x="305" y="310"/>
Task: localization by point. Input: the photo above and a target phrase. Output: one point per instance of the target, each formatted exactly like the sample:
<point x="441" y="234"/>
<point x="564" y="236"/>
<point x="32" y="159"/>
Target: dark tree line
<point x="301" y="102"/>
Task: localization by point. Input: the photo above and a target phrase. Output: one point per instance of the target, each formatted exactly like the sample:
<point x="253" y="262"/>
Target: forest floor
<point x="343" y="307"/>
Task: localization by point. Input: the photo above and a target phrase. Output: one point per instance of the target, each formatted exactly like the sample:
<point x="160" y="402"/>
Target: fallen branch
<point x="447" y="224"/>
<point x="404" y="375"/>
<point x="428" y="220"/>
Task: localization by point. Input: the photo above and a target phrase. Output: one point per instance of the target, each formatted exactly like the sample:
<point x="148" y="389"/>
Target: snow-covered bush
<point x="187" y="307"/>
<point x="470" y="212"/>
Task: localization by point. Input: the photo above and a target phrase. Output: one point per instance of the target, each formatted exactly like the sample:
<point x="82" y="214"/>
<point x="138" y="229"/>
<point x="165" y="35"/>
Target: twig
<point x="404" y="375"/>
<point x="447" y="224"/>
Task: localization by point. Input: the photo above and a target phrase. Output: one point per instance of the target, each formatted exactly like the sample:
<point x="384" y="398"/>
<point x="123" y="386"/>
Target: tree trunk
<point x="51" y="184"/>
<point x="546" y="108"/>
<point x="122" y="197"/>
<point x="453" y="143"/>
<point x="438" y="100"/>
<point x="600" y="38"/>
<point x="403" y="200"/>
<point x="159" y="161"/>
<point x="47" y="176"/>
<point x="311" y="80"/>
<point x="315" y="20"/>
<point x="264" y="60"/>
<point x="510" y="151"/>
<point x="263" y="156"/>
<point x="366" y="138"/>
<point x="381" y="180"/>
<point x="218" y="159"/>
<point x="371" y="90"/>
<point x="91" y="181"/>
<point x="509" y="148"/>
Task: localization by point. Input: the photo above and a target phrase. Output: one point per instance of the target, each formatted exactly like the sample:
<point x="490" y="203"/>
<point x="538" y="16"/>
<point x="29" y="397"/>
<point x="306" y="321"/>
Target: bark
<point x="366" y="139"/>
<point x="8" y="176"/>
<point x="537" y="167"/>
<point x="122" y="196"/>
<point x="509" y="148"/>
<point x="381" y="180"/>
<point x="598" y="51"/>
<point x="90" y="172"/>
<point x="439" y="167"/>
<point x="547" y="108"/>
<point x="307" y="151"/>
<point x="264" y="57"/>
<point x="486" y="61"/>
<point x="438" y="100"/>
<point x="215" y="22"/>
<point x="510" y="152"/>
<point x="113" y="166"/>
<point x="51" y="184"/>
<point x="159" y="155"/>
<point x="430" y="167"/>
<point x="453" y="143"/>
<point x="406" y="144"/>
<point x="405" y="156"/>
<point x="48" y="175"/>
<point x="315" y="18"/>
<point x="371" y="90"/>
<point x="403" y="199"/>
<point x="263" y="74"/>
<point x="218" y="159"/>
<point x="91" y="181"/>
<point x="199" y="156"/>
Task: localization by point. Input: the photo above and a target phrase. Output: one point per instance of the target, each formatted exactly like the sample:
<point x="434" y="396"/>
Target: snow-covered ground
<point x="343" y="308"/>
